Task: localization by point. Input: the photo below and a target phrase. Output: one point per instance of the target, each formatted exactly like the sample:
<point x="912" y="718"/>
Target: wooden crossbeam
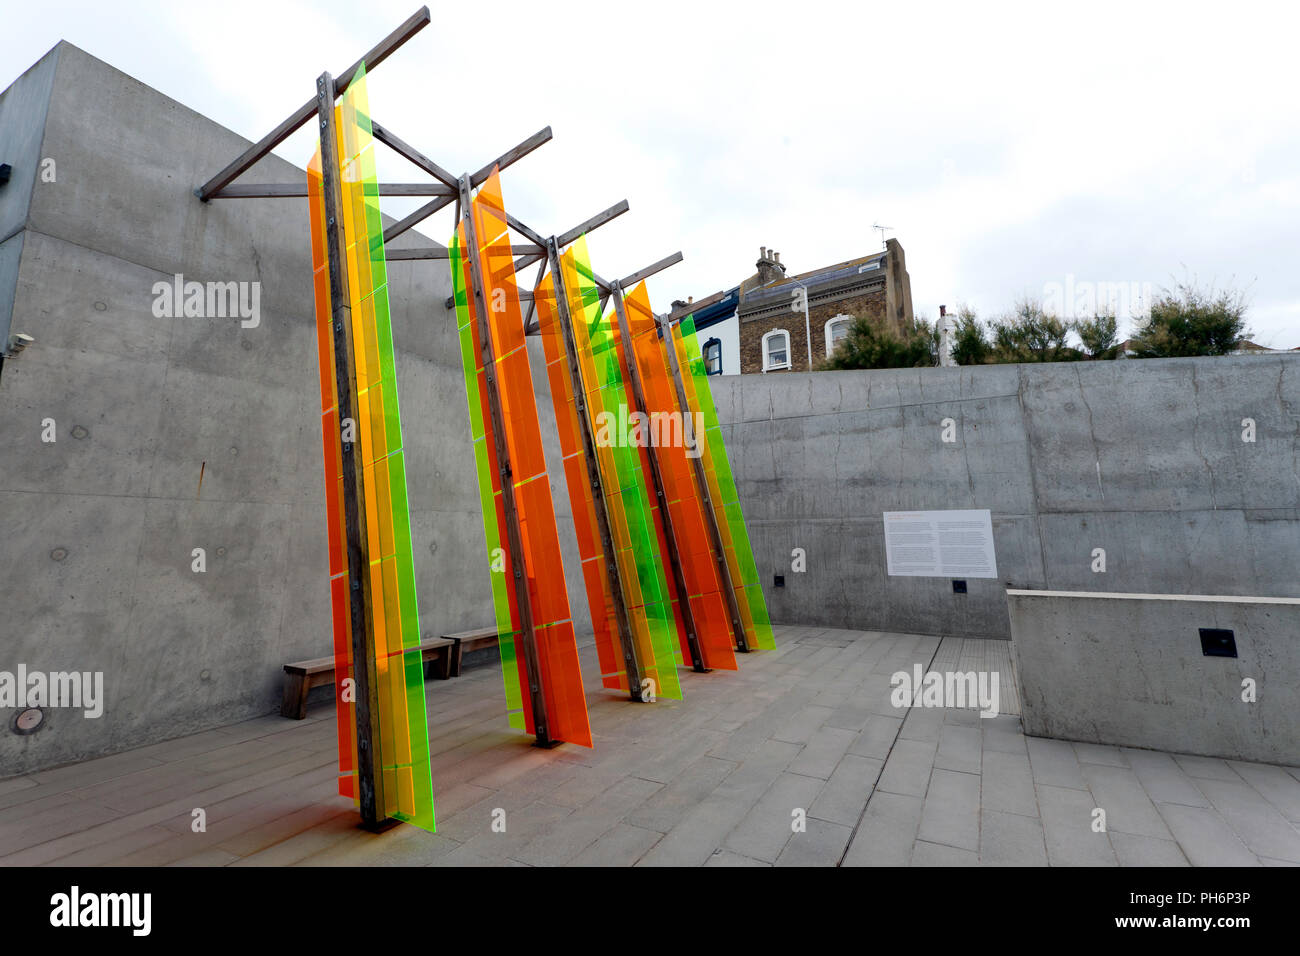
<point x="299" y="190"/>
<point x="438" y="251"/>
<point x="648" y="271"/>
<point x="372" y="58"/>
<point x="401" y="147"/>
<point x="595" y="222"/>
<point x="415" y="218"/>
<point x="533" y="237"/>
<point x="530" y="328"/>
<point x="511" y="156"/>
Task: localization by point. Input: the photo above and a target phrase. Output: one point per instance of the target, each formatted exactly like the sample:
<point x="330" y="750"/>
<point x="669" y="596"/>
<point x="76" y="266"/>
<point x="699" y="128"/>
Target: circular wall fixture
<point x="58" y="554"/>
<point x="100" y="307"/>
<point x="79" y="431"/>
<point x="28" y="721"/>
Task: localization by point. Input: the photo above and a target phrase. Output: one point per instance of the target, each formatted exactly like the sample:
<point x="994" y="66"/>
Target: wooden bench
<point x="437" y="653"/>
<point x="469" y="641"/>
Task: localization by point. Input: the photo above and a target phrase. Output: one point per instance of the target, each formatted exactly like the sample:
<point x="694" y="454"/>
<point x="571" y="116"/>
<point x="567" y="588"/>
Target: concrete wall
<point x="1128" y="669"/>
<point x="1144" y="459"/>
<point x="98" y="527"/>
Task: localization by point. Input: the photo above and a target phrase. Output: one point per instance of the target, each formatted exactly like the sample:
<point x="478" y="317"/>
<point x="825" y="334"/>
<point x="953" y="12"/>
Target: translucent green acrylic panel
<point x="488" y="492"/>
<point x="360" y="160"/>
<point x="730" y="505"/>
<point x="634" y="497"/>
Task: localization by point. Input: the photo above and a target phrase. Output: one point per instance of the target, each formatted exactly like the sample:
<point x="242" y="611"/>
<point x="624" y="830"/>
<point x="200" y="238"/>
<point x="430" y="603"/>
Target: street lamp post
<point x="807" y="322"/>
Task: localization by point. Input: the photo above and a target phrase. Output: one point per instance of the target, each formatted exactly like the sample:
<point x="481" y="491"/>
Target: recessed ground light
<point x="28" y="721"/>
<point x="58" y="554"/>
<point x="79" y="432"/>
<point x="1218" y="642"/>
<point x="958" y="587"/>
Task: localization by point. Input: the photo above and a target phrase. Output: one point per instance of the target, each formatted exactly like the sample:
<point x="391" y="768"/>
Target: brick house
<point x="760" y="325"/>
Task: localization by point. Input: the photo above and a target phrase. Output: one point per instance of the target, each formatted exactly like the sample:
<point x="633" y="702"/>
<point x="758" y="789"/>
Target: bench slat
<point x="469" y="640"/>
<point x="310" y="667"/>
<point x="301" y="676"/>
<point x="327" y="663"/>
<point x="481" y="632"/>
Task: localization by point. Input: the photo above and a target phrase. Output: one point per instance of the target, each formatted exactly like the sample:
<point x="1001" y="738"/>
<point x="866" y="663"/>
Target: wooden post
<point x="514" y="537"/>
<point x="370" y="784"/>
<point x="674" y="556"/>
<point x="710" y="515"/>
<point x="631" y="659"/>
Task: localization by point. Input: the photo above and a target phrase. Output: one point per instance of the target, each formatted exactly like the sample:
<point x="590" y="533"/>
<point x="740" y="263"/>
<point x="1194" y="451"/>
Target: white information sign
<point x="940" y="544"/>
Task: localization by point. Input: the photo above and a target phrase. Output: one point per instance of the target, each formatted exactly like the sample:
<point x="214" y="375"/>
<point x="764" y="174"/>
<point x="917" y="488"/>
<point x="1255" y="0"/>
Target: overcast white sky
<point x="1008" y="146"/>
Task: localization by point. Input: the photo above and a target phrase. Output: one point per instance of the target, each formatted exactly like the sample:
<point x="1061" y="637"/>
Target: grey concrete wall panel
<point x="1143" y="459"/>
<point x="1128" y="670"/>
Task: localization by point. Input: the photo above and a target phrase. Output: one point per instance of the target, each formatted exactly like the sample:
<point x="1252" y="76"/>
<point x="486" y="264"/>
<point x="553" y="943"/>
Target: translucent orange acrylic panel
<point x="600" y="600"/>
<point x="685" y="505"/>
<point x="565" y="703"/>
<point x="488" y="475"/>
<point x="392" y="635"/>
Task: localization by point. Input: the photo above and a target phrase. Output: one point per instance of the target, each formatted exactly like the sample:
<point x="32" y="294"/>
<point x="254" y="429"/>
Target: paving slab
<point x="951" y="812"/>
<point x="1068" y="832"/>
<point x="1204" y="837"/>
<point x="887" y="831"/>
<point x="713" y="780"/>
<point x="1010" y="839"/>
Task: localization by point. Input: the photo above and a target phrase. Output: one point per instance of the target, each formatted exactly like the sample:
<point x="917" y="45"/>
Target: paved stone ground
<point x="711" y="780"/>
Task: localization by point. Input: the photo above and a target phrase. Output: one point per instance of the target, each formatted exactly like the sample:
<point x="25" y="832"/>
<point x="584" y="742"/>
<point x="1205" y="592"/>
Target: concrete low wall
<point x="1141" y="459"/>
<point x="1128" y="670"/>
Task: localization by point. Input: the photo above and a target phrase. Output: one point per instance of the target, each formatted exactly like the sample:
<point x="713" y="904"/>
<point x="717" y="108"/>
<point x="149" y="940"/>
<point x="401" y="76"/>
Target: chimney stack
<point x="769" y="266"/>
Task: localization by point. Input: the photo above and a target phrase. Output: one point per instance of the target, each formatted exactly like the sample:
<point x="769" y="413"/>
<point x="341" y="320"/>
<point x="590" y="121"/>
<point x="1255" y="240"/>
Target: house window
<point x="713" y="357"/>
<point x="837" y="330"/>
<point x="776" y="350"/>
